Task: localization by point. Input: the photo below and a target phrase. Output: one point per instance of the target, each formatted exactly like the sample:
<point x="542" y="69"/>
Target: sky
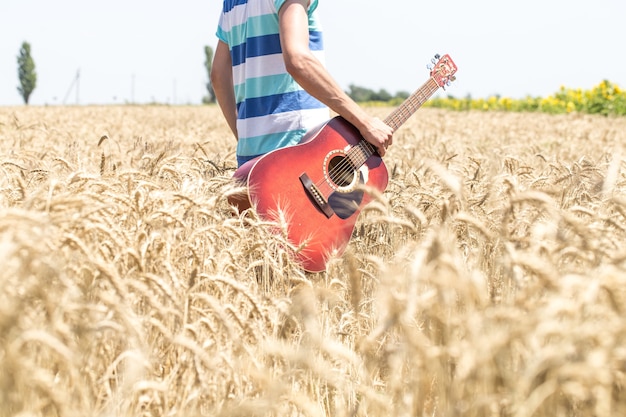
<point x="142" y="51"/>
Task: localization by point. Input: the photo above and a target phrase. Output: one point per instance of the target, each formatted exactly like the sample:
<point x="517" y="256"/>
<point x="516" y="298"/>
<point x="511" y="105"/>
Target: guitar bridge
<point x="316" y="195"/>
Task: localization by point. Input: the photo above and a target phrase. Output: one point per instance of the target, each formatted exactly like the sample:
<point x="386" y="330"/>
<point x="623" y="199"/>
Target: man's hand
<point x="379" y="134"/>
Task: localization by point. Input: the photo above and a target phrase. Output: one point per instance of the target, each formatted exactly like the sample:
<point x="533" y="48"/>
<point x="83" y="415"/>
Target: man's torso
<point x="273" y="110"/>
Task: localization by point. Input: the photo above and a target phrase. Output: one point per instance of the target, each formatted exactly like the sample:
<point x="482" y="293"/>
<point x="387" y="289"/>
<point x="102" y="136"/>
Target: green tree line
<point x="364" y="95"/>
<point x="606" y="98"/>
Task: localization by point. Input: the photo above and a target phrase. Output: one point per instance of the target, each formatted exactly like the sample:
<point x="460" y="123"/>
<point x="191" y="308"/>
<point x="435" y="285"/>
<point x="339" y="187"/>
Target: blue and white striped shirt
<point x="273" y="111"/>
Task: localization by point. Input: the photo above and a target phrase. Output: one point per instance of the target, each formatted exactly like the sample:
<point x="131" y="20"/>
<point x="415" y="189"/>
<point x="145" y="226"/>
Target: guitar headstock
<point x="443" y="70"/>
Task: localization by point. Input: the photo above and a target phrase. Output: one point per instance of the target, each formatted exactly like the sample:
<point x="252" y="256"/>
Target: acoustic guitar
<point x="318" y="187"/>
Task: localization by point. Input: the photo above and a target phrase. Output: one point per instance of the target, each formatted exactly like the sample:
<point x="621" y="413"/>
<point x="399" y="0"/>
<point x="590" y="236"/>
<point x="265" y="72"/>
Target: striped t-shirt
<point x="273" y="111"/>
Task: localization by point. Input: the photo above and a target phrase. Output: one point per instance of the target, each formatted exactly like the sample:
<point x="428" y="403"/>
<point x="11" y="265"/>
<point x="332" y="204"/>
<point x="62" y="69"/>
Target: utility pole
<point x="75" y="82"/>
<point x="174" y="93"/>
<point x="77" y="86"/>
<point x="132" y="89"/>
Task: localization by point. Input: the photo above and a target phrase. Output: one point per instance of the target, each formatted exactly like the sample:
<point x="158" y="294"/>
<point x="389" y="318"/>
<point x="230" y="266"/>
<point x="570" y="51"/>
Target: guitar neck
<point x="411" y="104"/>
<point x="359" y="154"/>
<point x="443" y="72"/>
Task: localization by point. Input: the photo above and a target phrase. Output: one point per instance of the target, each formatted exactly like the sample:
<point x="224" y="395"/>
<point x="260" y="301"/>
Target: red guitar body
<point x="315" y="188"/>
<point x="318" y="188"/>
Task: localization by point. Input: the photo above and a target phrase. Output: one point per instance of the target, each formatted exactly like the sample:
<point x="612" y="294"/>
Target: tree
<point x="26" y="72"/>
<point x="208" y="63"/>
<point x="360" y="94"/>
<point x="382" y="95"/>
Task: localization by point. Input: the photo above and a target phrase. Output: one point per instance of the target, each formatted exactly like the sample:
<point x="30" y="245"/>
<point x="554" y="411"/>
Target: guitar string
<point x="348" y="165"/>
<point x="398" y="117"/>
<point x="357" y="156"/>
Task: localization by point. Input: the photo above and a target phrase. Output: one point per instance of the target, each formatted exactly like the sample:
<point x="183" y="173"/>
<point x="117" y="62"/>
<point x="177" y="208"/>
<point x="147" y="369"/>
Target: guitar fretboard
<point x="411" y="104"/>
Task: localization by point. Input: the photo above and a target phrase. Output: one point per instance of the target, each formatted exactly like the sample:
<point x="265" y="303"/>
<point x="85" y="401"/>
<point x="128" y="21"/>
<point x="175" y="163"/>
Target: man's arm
<point x="222" y="82"/>
<point x="309" y="72"/>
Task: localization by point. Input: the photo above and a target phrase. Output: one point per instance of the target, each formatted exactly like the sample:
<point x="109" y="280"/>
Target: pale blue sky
<point x="154" y="50"/>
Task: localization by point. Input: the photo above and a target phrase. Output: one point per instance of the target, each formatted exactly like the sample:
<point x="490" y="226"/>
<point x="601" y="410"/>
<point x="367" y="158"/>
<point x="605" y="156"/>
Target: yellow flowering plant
<point x="606" y="98"/>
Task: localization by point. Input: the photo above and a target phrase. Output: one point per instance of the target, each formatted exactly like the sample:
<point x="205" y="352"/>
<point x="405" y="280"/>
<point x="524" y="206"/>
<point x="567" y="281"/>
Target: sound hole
<point x="341" y="171"/>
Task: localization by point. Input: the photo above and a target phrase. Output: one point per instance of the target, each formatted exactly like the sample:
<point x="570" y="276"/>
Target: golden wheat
<point x="488" y="279"/>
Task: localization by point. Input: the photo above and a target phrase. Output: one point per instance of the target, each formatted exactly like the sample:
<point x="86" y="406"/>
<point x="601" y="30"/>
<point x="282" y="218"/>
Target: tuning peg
<point x="430" y="67"/>
<point x="434" y="61"/>
<point x="449" y="80"/>
<point x="437" y="56"/>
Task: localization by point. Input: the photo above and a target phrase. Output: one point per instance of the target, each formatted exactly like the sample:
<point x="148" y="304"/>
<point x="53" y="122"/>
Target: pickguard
<point x="345" y="204"/>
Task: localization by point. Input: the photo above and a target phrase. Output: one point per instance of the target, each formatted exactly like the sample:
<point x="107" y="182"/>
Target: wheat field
<point x="489" y="279"/>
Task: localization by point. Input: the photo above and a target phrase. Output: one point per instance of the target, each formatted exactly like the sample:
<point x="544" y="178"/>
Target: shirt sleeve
<point x="312" y="5"/>
<point x="220" y="32"/>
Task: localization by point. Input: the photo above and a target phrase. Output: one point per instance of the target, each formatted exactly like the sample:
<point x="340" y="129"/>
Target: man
<point x="270" y="81"/>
